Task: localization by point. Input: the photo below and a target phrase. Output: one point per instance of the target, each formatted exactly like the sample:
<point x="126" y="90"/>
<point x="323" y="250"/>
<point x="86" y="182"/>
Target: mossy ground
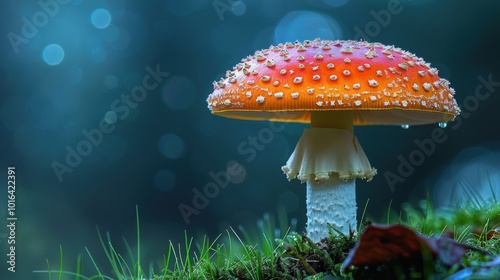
<point x="236" y="255"/>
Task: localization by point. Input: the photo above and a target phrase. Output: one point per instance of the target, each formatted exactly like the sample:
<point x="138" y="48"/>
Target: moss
<point x="295" y="256"/>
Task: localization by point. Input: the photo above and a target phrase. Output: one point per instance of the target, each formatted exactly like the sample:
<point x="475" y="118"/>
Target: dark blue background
<point x="170" y="143"/>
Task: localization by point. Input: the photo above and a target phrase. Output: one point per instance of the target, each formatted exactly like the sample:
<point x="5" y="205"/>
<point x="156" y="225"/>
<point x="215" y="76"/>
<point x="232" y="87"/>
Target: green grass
<point x="267" y="253"/>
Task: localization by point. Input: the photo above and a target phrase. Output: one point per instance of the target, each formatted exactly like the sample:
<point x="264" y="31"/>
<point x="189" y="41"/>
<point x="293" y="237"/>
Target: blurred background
<point x="103" y="108"/>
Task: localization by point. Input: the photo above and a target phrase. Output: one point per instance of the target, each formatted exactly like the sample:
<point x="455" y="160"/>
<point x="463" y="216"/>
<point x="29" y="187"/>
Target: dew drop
<point x="405" y="126"/>
<point x="443" y="124"/>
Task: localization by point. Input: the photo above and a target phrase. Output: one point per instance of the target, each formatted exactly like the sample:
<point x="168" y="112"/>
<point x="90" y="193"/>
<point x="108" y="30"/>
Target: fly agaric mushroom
<point x="333" y="85"/>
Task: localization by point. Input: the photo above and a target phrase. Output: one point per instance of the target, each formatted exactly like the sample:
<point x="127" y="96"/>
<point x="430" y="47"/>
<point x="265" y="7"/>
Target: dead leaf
<point x="398" y="244"/>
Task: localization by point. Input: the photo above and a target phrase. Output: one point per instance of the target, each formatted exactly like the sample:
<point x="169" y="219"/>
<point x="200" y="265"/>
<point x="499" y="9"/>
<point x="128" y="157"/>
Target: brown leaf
<point x="397" y="244"/>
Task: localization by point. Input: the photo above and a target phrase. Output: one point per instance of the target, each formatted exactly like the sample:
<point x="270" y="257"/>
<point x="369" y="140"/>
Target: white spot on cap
<point x="316" y="67"/>
<point x="373" y="98"/>
<point x="271" y="63"/>
<point x="347" y="49"/>
<point x="295" y="94"/>
<point x="297" y="80"/>
<point x="278" y="94"/>
<point x="316" y="77"/>
<point x="260" y="99"/>
<point x="318" y="56"/>
<point x="227" y="102"/>
<point x="347" y="60"/>
<point x="300" y="58"/>
<point x="283" y="71"/>
<point x="378" y="73"/>
<point x="372" y="83"/>
<point x="415" y="87"/>
<point x="319" y="103"/>
<point x="265" y="78"/>
<point x="275" y="83"/>
<point x="405" y="103"/>
<point x="427" y="86"/>
<point x="333" y="77"/>
<point x="346" y="72"/>
<point x="310" y="90"/>
<point x="356" y="86"/>
<point x="361" y="68"/>
<point x="357" y="102"/>
<point x="330" y="65"/>
<point x="248" y="94"/>
<point x="421" y="73"/>
<point x="302" y="66"/>
<point x="403" y="65"/>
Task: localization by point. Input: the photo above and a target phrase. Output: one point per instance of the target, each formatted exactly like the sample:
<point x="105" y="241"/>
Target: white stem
<point x="329" y="160"/>
<point x="330" y="201"/>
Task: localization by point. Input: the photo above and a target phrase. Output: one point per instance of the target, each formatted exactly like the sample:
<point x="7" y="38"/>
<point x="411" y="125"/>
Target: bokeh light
<point x="53" y="54"/>
<point x="110" y="117"/>
<point x="73" y="75"/>
<point x="111" y="81"/>
<point x="171" y="146"/>
<point x="306" y="25"/>
<point x="100" y="18"/>
<point x="164" y="180"/>
<point x="238" y="8"/>
<point x="472" y="179"/>
<point x="237" y="172"/>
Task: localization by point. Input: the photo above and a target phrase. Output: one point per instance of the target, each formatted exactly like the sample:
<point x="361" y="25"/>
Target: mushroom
<point x="333" y="85"/>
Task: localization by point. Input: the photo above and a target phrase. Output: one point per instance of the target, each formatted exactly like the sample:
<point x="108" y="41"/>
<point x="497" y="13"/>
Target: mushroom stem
<point x="331" y="201"/>
<point x="329" y="158"/>
<point x="333" y="119"/>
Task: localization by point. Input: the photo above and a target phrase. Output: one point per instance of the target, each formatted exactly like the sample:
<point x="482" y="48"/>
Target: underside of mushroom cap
<point x="322" y="153"/>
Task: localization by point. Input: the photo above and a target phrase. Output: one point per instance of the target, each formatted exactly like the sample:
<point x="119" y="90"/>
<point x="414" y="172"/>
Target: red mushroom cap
<point x="381" y="84"/>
